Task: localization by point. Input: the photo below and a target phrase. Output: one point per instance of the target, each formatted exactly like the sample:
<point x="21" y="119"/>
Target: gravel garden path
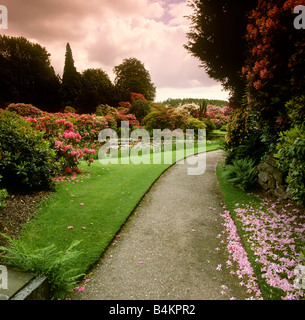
<point x="169" y="249"/>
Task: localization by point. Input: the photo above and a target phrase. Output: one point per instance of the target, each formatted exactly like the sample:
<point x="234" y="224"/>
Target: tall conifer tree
<point x="71" y="81"/>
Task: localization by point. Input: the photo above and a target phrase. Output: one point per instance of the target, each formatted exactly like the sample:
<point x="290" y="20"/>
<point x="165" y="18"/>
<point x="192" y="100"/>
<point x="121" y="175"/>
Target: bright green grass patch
<point x="220" y="132"/>
<point x="100" y="202"/>
<point x="92" y="208"/>
<point x="96" y="209"/>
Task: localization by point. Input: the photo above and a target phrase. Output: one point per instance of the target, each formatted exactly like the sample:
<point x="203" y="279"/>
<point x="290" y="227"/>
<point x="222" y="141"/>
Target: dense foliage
<point x="132" y="76"/>
<point x="71" y="81"/>
<point x="216" y="38"/>
<point x="168" y="119"/>
<point x="27" y="162"/>
<point x="177" y="102"/>
<point x="290" y="158"/>
<point x="26" y="74"/>
<point x="140" y="108"/>
<point x="275" y="57"/>
<point x="264" y="70"/>
<point x="241" y="173"/>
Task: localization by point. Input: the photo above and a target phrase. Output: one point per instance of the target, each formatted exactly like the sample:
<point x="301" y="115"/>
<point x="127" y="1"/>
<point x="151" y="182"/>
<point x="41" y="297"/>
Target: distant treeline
<point x="179" y="102"/>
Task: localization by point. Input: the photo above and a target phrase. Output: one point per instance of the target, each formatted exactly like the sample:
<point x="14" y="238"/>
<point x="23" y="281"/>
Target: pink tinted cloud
<point x="104" y="32"/>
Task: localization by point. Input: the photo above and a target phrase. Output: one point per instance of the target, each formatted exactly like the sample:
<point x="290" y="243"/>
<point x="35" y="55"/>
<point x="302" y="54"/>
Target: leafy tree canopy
<point x="26" y="74"/>
<point x="131" y="76"/>
<point x="179" y="102"/>
<point x="217" y="40"/>
<point x="96" y="89"/>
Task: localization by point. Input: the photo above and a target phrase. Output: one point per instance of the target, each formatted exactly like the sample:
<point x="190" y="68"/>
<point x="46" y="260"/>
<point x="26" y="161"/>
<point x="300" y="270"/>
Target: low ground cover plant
<point x="241" y="173"/>
<point x="57" y="265"/>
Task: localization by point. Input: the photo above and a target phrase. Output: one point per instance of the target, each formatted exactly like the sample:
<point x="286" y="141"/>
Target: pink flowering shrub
<point x="137" y="96"/>
<point x="121" y="116"/>
<point x="71" y="135"/>
<point x="25" y="110"/>
<point x="88" y="126"/>
<point x="219" y="116"/>
<point x="124" y="107"/>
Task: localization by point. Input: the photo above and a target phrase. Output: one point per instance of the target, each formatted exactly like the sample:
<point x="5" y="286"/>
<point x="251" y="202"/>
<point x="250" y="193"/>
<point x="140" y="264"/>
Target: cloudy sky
<point x="104" y="32"/>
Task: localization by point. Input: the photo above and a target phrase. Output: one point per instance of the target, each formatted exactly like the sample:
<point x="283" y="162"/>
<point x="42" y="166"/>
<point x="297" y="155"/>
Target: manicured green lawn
<point x="92" y="208"/>
<point x="96" y="206"/>
<point x="220" y="132"/>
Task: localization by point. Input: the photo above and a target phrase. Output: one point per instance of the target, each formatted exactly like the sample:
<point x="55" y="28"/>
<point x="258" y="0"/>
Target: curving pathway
<point x="168" y="249"/>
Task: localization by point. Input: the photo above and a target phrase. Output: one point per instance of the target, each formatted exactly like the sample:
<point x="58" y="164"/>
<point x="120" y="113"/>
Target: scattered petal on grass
<point x="84" y="228"/>
<point x="70" y="227"/>
<point x="81" y="204"/>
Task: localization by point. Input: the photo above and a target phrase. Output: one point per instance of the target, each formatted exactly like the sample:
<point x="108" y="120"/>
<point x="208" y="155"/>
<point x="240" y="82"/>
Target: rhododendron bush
<point x="275" y="65"/>
<point x="69" y="134"/>
<point x="220" y="116"/>
<point x="72" y="136"/>
<point x="167" y="119"/>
